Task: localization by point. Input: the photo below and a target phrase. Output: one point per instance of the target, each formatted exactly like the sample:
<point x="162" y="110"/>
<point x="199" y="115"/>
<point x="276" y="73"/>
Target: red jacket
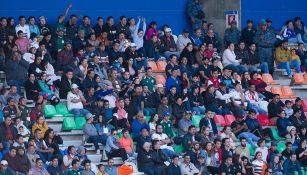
<point x="260" y="84"/>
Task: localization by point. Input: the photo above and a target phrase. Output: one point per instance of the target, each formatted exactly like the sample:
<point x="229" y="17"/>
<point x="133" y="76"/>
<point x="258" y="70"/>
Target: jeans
<point x="95" y="140"/>
<point x="257" y="108"/>
<point x="17" y="83"/>
<point x="239" y="68"/>
<point x="199" y="110"/>
<point x="79" y="112"/>
<point x="263" y="66"/>
<point x="149" y="111"/>
<point x="286" y="65"/>
<point x="250" y="138"/>
<point x="266" y="55"/>
<point x="139" y="65"/>
<point x="168" y="152"/>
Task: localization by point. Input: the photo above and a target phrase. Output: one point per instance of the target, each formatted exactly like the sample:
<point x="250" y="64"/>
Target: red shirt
<point x="9" y="134"/>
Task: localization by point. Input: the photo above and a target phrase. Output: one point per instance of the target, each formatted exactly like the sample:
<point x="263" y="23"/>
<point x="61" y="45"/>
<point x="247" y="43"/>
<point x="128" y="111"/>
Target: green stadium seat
<point x="281" y="146"/>
<point x="178" y="149"/>
<point x="250" y="149"/>
<point x="62" y="109"/>
<point x="275" y="134"/>
<point x="79" y="121"/>
<point x="49" y="111"/>
<point x="196" y="119"/>
<point x="147" y="118"/>
<point x="69" y="123"/>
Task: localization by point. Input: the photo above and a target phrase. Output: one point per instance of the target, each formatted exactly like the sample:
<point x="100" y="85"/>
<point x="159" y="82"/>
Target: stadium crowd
<point x="144" y="92"/>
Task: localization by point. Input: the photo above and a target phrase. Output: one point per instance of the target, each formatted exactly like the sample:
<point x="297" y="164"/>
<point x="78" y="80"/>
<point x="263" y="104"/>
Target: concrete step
<point x="56" y="127"/>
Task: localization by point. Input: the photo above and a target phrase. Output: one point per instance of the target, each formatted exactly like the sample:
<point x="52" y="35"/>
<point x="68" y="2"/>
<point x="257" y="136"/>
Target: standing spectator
<point x="75" y="101"/>
<point x="22" y="26"/>
<point x="90" y="132"/>
<point x="248" y="33"/>
<point x="195" y="12"/>
<point x="283" y="59"/>
<point x="86" y="26"/>
<point x="71" y="28"/>
<point x="232" y="34"/>
<point x="122" y="27"/>
<point x="265" y="39"/>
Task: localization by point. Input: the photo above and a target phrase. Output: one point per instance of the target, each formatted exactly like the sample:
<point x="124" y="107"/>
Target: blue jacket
<point x="290" y="168"/>
<point x="173" y="170"/>
<point x="136" y="128"/>
<point x="204" y="122"/>
<point x="282" y="124"/>
<point x="252" y="124"/>
<point x="170" y="81"/>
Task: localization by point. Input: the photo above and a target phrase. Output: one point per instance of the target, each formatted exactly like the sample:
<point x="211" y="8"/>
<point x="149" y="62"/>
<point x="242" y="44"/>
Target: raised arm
<point x="62" y="18"/>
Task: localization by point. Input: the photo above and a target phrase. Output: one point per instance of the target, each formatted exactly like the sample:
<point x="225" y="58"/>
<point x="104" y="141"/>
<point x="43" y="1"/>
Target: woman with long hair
<point x="41" y="124"/>
<point x="47" y="91"/>
<point x="276" y="165"/>
<point x="210" y="159"/>
<point x="32" y="89"/>
<point x="205" y="135"/>
<point x="227" y="133"/>
<point x="258" y="164"/>
<point x="153" y="121"/>
<point x="301" y="153"/>
<point x="103" y="128"/>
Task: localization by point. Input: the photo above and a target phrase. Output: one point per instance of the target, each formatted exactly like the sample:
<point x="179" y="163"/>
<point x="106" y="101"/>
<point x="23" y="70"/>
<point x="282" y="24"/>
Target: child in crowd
<point x="214" y="79"/>
<point x="167" y="125"/>
<point x="288" y="108"/>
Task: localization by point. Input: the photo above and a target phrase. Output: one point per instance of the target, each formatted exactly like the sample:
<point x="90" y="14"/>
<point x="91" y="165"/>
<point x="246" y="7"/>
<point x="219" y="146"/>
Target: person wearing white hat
<point x="168" y="44"/>
<point x="75" y="102"/>
<point x="4" y="168"/>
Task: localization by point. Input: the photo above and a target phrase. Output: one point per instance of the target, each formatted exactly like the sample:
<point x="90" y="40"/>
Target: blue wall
<point x="277" y="10"/>
<point x="171" y="12"/>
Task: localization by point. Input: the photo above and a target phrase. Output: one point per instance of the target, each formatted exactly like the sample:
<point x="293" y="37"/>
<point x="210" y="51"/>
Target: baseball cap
<point x="159" y="85"/>
<point x="132" y="45"/>
<point x="166" y="113"/>
<point x="4" y="162"/>
<point x="74" y="86"/>
<point x="89" y="115"/>
<point x="262" y="22"/>
<point x="168" y="30"/>
<point x="186" y="31"/>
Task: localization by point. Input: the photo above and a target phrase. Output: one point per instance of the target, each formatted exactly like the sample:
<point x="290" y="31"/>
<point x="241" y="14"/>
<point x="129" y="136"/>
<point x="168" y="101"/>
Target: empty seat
<point x="49" y="111"/>
<point x="161" y="64"/>
<point x="264" y="120"/>
<point x="277" y="90"/>
<point x="178" y="149"/>
<point x="287" y="92"/>
<point x="297" y="79"/>
<point x="153" y="66"/>
<point x="79" y="121"/>
<point x="304" y="104"/>
<point x="268" y="79"/>
<point x="305" y="78"/>
<point x="69" y="123"/>
<point x="229" y="119"/>
<point x="219" y="120"/>
<point x="281" y="147"/>
<point x="196" y="119"/>
<point x="62" y="110"/>
<point x="160" y="79"/>
<point x="250" y="149"/>
<point x="147" y="118"/>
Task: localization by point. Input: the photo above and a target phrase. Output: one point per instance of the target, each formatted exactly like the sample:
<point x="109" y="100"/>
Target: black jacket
<point x="173" y="170"/>
<point x="54" y="170"/>
<point x="16" y="70"/>
<point x="65" y="87"/>
<point x="247" y="36"/>
<point x="145" y="159"/>
<point x="204" y="122"/>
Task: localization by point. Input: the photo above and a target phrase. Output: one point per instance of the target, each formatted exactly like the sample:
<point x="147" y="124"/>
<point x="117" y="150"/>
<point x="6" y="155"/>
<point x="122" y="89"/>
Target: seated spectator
<point x="298" y="106"/>
<point x="211" y="103"/>
<point x="167" y="125"/>
<point x="253" y="100"/>
<point x="75" y="102"/>
<point x="11" y="109"/>
<point x="205" y="136"/>
<point x="159" y="157"/>
<point x="40" y="124"/>
<point x="103" y="128"/>
<point x="283" y="59"/>
<point x="253" y="60"/>
<point x="224" y="99"/>
<point x="153" y="121"/>
<point x="140" y="63"/>
<point x="290" y="34"/>
<point x="11" y="158"/>
<point x="168" y="44"/>
<point x="173" y="80"/>
<point x="282" y="123"/>
<point x="255" y="127"/>
<point x="89" y="80"/>
<point x="196" y="101"/>
<point x="173" y="168"/>
<point x="16" y="71"/>
<point x="82" y="155"/>
<point x="19" y="142"/>
<point x="288" y="151"/>
<point x="302" y="134"/>
<point x="24" y="164"/>
<point x="127" y="143"/>
<point x="90" y="132"/>
<point x="213" y="39"/>
<point x="164" y="107"/>
<point x="288" y="108"/>
<point x="230" y="61"/>
<point x="69" y="160"/>
<point x="32" y="89"/>
<point x="22" y="43"/>
<point x="35" y="112"/>
<point x="183" y="40"/>
<point x="301" y="153"/>
<point x="164" y="140"/>
<point x="87" y="168"/>
<point x="144" y="137"/>
<point x="153" y="48"/>
<point x="113" y="148"/>
<point x="120" y="116"/>
<point x="40" y="145"/>
<point x="47" y="91"/>
<point x="66" y="81"/>
<point x="4" y="169"/>
<point x="54" y="167"/>
<point x="259" y="165"/>
<point x="238" y="99"/>
<point x="185" y="123"/>
<point x="242" y="150"/>
<point x="276" y="165"/>
<point x="189" y="138"/>
<point x="263" y="149"/>
<point x="187" y="167"/>
<point x="291" y="165"/>
<point x="172" y="64"/>
<point x="302" y="53"/>
<point x="232" y="34"/>
<point x="149" y="80"/>
<point x="36" y="67"/>
<point x="296" y="119"/>
<point x="227" y="133"/>
<point x="214" y="78"/>
<point x="52" y="138"/>
<point x="227" y="167"/>
<point x="172" y="95"/>
<point x="145" y="160"/>
<point x="275" y="107"/>
<point x="8" y="132"/>
<point x="194" y="152"/>
<point x="32" y="155"/>
<point x="291" y="135"/>
<point x="75" y="168"/>
<point x="226" y="149"/>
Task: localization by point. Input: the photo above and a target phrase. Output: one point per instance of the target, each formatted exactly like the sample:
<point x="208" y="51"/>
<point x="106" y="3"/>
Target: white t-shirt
<point x="162" y="136"/>
<point x="264" y="152"/>
<point x="236" y="96"/>
<point x="25" y="29"/>
<point x="70" y="104"/>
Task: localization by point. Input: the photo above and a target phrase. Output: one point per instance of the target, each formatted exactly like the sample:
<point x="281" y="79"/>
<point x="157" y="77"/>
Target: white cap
<point x="168" y="30"/>
<point x="4" y="162"/>
<point x="159" y="85"/>
<point x="74" y="86"/>
<point x="132" y="45"/>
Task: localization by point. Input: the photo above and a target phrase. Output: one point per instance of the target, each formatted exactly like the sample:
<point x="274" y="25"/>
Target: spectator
<point x="276" y="165"/>
<point x="301" y="153"/>
<point x="230" y="61"/>
<point x="227" y="167"/>
<point x="274" y="107"/>
<point x="40" y="145"/>
<point x="120" y="116"/>
<point x="189" y="138"/>
<point x="75" y="167"/>
<point x="195" y="13"/>
<point x="89" y="80"/>
<point x="282" y="123"/>
<point x="37" y="111"/>
<point x="197" y="39"/>
<point x="167" y="125"/>
<point x="232" y="34"/>
<point x="291" y="165"/>
<point x="185" y="123"/>
<point x="183" y="40"/>
<point x="194" y="152"/>
<point x="173" y="168"/>
<point x="11" y="109"/>
<point x="40" y="124"/>
<point x="138" y="35"/>
<point x="24" y="164"/>
<point x="297" y="120"/>
<point x="32" y="155"/>
<point x="259" y="165"/>
<point x="70" y="159"/>
<point x="113" y="148"/>
<point x="66" y="81"/>
<point x="4" y="169"/>
<point x="290" y="35"/>
<point x="127" y="143"/>
<point x="283" y="59"/>
<point x="64" y="57"/>
<point x="265" y="39"/>
<point x="248" y="33"/>
<point x="187" y="167"/>
<point x="227" y="133"/>
<point x="75" y="102"/>
<point x="263" y="149"/>
<point x="291" y="135"/>
<point x="288" y="151"/>
<point x="254" y="62"/>
<point x="302" y="55"/>
<point x="8" y="133"/>
<point x="298" y="106"/>
<point x="47" y="91"/>
<point x="16" y="71"/>
<point x="145" y="160"/>
<point x="90" y="132"/>
<point x="159" y="157"/>
<point x="196" y="101"/>
<point x="87" y="168"/>
<point x="32" y="89"/>
<point x="241" y="150"/>
<point x="168" y="44"/>
<point x="12" y="160"/>
<point x="288" y="108"/>
<point x="164" y="139"/>
<point x="54" y="168"/>
<point x="253" y="99"/>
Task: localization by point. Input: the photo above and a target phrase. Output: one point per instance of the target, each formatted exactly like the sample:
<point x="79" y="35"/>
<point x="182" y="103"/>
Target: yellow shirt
<point x="43" y="128"/>
<point x="282" y="55"/>
<point x="295" y="57"/>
